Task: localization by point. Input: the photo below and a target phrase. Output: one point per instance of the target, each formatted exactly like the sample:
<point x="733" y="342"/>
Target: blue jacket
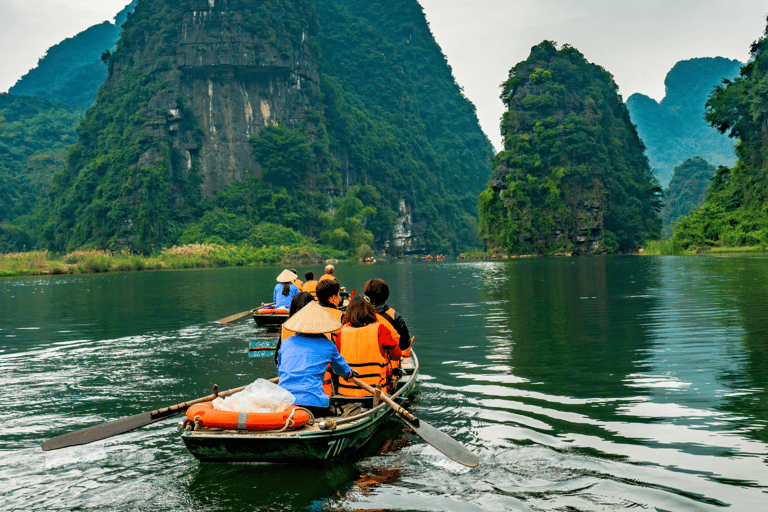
<point x="284" y="301"/>
<point x="301" y="365"/>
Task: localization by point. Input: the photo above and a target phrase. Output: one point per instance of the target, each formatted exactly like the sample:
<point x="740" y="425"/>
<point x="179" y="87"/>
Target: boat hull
<point x="306" y="445"/>
<point x="269" y="320"/>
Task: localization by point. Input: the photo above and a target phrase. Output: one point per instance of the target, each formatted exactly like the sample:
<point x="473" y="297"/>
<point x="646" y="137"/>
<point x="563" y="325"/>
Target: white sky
<point x="638" y="41"/>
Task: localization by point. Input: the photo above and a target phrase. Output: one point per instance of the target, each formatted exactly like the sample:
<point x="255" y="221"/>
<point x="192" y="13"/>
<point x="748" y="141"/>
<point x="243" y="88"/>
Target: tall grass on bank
<point x="663" y="248"/>
<point x="187" y="256"/>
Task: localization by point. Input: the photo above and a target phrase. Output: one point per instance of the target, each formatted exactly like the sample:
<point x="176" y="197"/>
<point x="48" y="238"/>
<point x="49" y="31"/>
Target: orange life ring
<point x="272" y="311"/>
<point x="207" y="416"/>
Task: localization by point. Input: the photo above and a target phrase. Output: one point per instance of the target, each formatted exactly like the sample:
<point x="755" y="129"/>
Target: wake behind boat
<point x="321" y="440"/>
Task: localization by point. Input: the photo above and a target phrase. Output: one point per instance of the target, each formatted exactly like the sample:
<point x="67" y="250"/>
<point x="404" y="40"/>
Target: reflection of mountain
<point x="674" y="129"/>
<point x="575" y="324"/>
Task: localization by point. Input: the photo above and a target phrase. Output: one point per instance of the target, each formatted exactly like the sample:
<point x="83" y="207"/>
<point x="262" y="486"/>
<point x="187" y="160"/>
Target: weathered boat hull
<point x="269" y="319"/>
<point x="307" y="445"/>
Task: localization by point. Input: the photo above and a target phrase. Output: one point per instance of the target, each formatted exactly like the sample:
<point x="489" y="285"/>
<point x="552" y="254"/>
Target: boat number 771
<point x="335" y="447"/>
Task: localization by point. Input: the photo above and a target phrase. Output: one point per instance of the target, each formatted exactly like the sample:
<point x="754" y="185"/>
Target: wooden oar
<point x="232" y="318"/>
<point x="440" y="440"/>
<point x="124" y="425"/>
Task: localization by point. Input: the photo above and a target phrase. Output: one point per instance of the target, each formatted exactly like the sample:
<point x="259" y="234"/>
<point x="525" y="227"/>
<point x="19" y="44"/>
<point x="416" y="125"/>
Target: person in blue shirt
<point x="285" y="290"/>
<point x="303" y="358"/>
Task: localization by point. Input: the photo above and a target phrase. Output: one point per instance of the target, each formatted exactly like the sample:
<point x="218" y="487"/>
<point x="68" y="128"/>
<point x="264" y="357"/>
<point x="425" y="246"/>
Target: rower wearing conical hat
<point x="285" y="290"/>
<point x="303" y="358"/>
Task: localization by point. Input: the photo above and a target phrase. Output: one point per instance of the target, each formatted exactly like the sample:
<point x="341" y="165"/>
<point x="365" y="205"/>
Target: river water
<point x="589" y="384"/>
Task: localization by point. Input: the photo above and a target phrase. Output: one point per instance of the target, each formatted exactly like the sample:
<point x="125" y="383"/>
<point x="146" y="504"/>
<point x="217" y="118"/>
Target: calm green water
<point x="618" y="383"/>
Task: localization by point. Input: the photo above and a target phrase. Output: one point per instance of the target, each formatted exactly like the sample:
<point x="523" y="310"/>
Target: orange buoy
<point x="207" y="416"/>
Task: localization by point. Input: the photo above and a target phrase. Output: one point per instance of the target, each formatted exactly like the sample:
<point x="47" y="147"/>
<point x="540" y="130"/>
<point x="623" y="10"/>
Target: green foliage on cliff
<point x="674" y="129"/>
<point x="389" y="125"/>
<point x="687" y="190"/>
<point x="398" y="122"/>
<point x="34" y="136"/>
<point x="572" y="176"/>
<point x="734" y="214"/>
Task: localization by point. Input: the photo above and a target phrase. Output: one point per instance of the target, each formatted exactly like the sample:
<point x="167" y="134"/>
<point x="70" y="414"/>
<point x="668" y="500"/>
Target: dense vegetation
<point x="674" y="130"/>
<point x="393" y="128"/>
<point x="398" y="123"/>
<point x="734" y="214"/>
<point x="34" y="136"/>
<point x="687" y="190"/>
<point x="572" y="176"/>
<point x="72" y="71"/>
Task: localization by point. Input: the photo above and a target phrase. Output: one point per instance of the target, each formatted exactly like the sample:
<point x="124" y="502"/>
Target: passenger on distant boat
<point x="378" y="291"/>
<point x="368" y="347"/>
<point x="311" y="284"/>
<point x="297" y="281"/>
<point x="286" y="291"/>
<point x="299" y="301"/>
<point x="303" y="358"/>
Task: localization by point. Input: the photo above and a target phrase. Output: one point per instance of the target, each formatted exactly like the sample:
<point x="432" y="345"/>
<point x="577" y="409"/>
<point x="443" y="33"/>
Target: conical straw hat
<point x="286" y="276"/>
<point x="312" y="319"/>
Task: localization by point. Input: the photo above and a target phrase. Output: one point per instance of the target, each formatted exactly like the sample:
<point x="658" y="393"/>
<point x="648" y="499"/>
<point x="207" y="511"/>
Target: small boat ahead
<point x="318" y="441"/>
<point x="268" y="315"/>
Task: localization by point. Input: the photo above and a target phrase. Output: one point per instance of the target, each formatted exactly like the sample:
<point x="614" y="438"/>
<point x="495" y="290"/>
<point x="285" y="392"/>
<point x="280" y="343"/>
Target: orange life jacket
<point x="326" y="276"/>
<point x="298" y="284"/>
<point x="360" y="348"/>
<point x="395" y="336"/>
<point x="311" y="287"/>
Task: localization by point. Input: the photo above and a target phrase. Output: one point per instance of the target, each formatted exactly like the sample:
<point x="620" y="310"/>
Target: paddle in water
<point x="124" y="425"/>
<point x="450" y="447"/>
<point x="232" y="318"/>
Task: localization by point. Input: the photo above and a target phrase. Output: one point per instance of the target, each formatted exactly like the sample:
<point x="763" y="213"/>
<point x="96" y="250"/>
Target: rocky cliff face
<point x="572" y="176"/>
<point x="233" y="82"/>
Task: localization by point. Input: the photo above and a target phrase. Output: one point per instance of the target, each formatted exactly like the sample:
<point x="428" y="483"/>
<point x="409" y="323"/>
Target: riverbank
<point x="178" y="257"/>
<point x="671" y="248"/>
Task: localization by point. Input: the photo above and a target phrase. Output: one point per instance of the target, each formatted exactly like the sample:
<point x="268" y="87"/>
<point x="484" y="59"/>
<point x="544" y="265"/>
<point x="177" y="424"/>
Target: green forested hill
<point x="427" y="142"/>
<point x="674" y="130"/>
<point x="687" y="190"/>
<point x="72" y="71"/>
<point x="572" y="176"/>
<point x="34" y="136"/>
<point x="383" y="149"/>
<point x="734" y="214"/>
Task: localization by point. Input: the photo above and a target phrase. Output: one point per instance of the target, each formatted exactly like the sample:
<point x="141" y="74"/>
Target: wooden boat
<point x="268" y="316"/>
<point x="323" y="440"/>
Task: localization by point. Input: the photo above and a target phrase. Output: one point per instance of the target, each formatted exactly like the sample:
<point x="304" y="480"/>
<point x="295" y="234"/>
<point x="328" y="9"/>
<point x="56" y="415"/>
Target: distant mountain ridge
<point x="674" y="130"/>
<point x="72" y="71"/>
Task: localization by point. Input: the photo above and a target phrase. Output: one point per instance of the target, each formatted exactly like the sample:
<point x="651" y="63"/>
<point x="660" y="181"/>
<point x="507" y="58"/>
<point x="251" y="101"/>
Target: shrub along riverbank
<point x="177" y="257"/>
<point x="673" y="247"/>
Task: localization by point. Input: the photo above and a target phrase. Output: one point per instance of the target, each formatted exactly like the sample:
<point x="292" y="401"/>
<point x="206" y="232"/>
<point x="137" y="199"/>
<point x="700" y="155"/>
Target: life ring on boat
<point x="205" y="415"/>
<point x="272" y="311"/>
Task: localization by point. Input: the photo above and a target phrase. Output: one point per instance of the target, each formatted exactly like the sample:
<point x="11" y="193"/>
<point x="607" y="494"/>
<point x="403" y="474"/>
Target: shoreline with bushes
<point x="190" y="256"/>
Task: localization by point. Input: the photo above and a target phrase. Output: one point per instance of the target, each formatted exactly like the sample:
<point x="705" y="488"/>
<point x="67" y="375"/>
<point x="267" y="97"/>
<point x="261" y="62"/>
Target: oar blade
<point x="99" y="432"/>
<point x="444" y="443"/>
<point x="232" y="318"/>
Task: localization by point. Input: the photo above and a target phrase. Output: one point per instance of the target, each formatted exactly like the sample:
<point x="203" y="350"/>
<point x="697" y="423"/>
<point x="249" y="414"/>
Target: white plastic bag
<point x="259" y="396"/>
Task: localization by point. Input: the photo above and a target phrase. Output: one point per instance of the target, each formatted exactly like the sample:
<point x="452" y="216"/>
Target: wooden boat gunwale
<point x="302" y="445"/>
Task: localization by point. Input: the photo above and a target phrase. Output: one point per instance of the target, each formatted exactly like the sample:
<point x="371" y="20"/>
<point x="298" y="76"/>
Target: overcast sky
<point x="638" y="41"/>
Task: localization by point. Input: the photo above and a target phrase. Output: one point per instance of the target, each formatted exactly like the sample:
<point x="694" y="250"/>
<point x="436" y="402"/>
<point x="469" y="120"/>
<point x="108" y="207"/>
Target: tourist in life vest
<point x="286" y="291"/>
<point x="367" y="346"/>
<point x="329" y="273"/>
<point x="303" y="358"/>
<point x="311" y="283"/>
<point x="377" y="291"/>
<point x="297" y="281"/>
<point x="299" y="301"/>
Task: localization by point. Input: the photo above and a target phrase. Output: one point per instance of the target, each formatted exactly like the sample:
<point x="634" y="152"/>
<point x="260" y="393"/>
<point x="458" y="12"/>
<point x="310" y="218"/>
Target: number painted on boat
<point x="335" y="447"/>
